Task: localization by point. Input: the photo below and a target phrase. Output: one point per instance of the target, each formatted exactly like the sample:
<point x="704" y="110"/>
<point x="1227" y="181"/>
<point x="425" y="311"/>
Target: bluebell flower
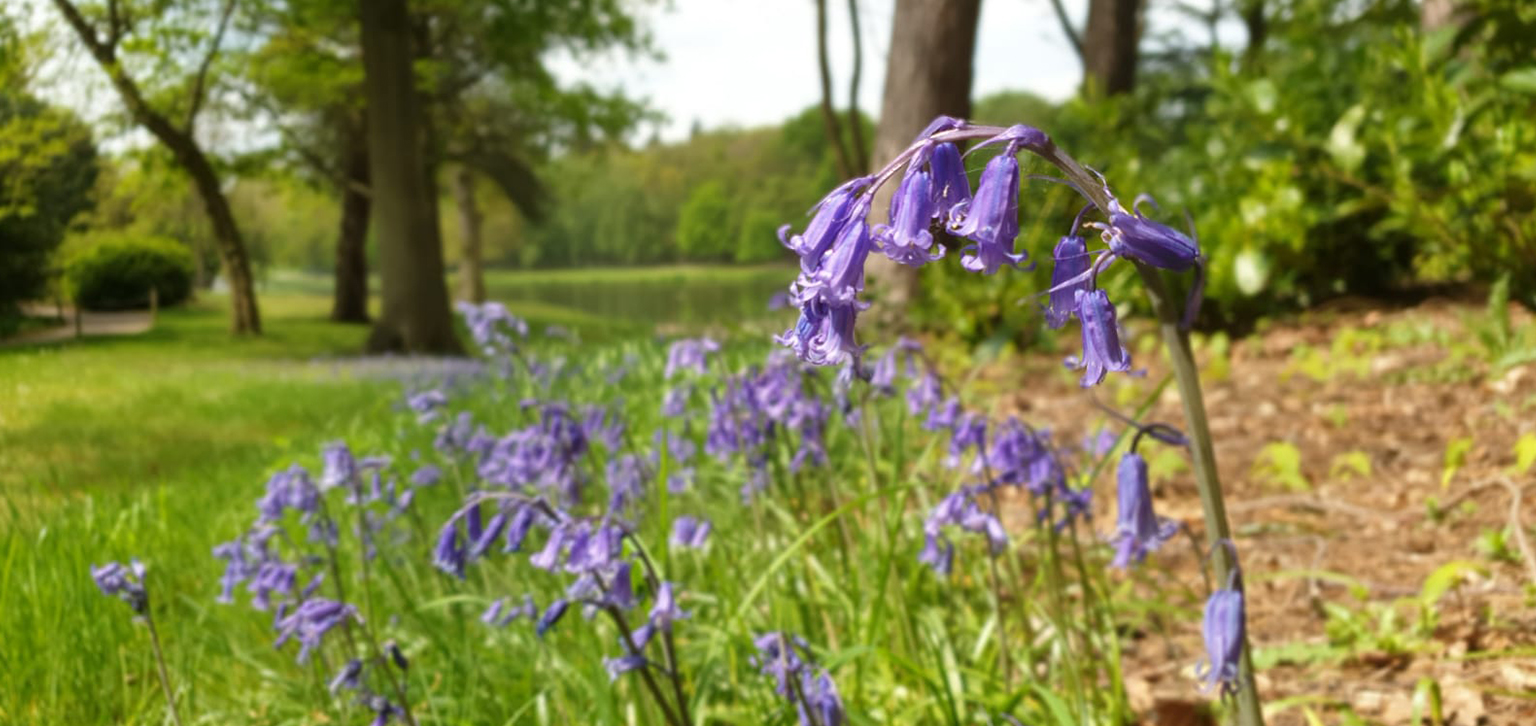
<point x="551" y="616"/>
<point x="1068" y="276"/>
<point x="925" y="394"/>
<point x="664" y="611"/>
<point x="621" y="665"/>
<point x="310" y="622"/>
<point x="492" y="326"/>
<point x="349" y="677"/>
<point x="787" y="659"/>
<point x="426" y="404"/>
<point x="949" y="185"/>
<point x="1225" y="628"/>
<point x="426" y="475"/>
<point x="907" y="239"/>
<point x="938" y="553"/>
<point x="450" y="555"/>
<point x="1138" y="530"/>
<point x="839" y="278"/>
<point x="1135" y="237"/>
<point x="125" y="583"/>
<point x="991" y="218"/>
<point x="832" y="213"/>
<point x="340" y="467"/>
<point x="690" y="532"/>
<point x="1102" y="350"/>
<point x="824" y="334"/>
<point x="689" y="354"/>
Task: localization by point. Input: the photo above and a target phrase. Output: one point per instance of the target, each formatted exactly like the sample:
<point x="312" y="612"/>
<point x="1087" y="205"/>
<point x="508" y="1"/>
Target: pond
<point x="667" y="298"/>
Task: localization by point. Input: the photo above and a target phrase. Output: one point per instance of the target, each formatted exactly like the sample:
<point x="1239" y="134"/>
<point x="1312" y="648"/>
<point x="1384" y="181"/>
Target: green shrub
<point x="116" y="271"/>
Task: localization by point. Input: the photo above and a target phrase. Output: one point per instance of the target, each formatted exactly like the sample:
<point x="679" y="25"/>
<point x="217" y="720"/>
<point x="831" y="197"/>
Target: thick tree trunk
<point x="416" y="316"/>
<point x="1109" y="45"/>
<point x="471" y="267"/>
<point x="351" y="294"/>
<point x="927" y="74"/>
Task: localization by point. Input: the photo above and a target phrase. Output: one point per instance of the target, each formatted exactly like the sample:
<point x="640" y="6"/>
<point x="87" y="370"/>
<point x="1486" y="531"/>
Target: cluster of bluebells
<point x="934" y="196"/>
<point x="124" y="582"/>
<point x="810" y="690"/>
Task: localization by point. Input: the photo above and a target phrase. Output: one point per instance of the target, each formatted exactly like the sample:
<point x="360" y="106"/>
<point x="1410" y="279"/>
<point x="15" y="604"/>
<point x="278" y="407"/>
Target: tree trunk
<point x="416" y="316"/>
<point x="1257" y="25"/>
<point x="244" y="314"/>
<point x="928" y="73"/>
<point x="351" y="295"/>
<point x="1109" y="46"/>
<point x="471" y="268"/>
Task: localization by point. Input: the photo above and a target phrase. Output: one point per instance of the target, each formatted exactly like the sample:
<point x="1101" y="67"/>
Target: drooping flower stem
<point x="1186" y="374"/>
<point x="165" y="678"/>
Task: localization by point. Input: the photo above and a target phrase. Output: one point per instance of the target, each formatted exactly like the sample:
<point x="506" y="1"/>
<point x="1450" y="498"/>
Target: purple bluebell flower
<point x="938" y="553"/>
<point x="1225" y="628"/>
<point x="664" y="611"/>
<point x="426" y="404"/>
<point x="349" y="677"/>
<point x="340" y="466"/>
<point x="796" y="679"/>
<point x="125" y="583"/>
<point x="621" y="665"/>
<point x="626" y="482"/>
<point x="839" y="278"/>
<point x="426" y="475"/>
<point x="603" y="426"/>
<point x="492" y="326"/>
<point x="959" y="509"/>
<point x="824" y="334"/>
<point x="1102" y="350"/>
<point x="311" y="620"/>
<point x="450" y="555"/>
<point x="1068" y="277"/>
<point x="991" y="218"/>
<point x="943" y="416"/>
<point x="1138" y="529"/>
<point x="950" y="186"/>
<point x="674" y="402"/>
<point x="288" y="489"/>
<point x="689" y="354"/>
<point x="271" y="577"/>
<point x="906" y="239"/>
<point x="690" y="532"/>
<point x="832" y="213"/>
<point x="1100" y="443"/>
<point x="924" y="394"/>
<point x="1134" y="236"/>
<point x="551" y="616"/>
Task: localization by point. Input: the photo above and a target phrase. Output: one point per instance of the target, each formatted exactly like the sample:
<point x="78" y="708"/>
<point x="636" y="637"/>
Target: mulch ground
<point x="1362" y="540"/>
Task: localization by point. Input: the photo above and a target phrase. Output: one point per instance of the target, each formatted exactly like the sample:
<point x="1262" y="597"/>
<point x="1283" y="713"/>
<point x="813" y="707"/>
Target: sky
<point x="753" y="62"/>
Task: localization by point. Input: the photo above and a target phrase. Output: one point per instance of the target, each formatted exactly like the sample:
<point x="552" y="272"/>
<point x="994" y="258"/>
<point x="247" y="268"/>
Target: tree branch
<point x="834" y="133"/>
<point x="1066" y="28"/>
<point x="199" y="89"/>
<point x="860" y="152"/>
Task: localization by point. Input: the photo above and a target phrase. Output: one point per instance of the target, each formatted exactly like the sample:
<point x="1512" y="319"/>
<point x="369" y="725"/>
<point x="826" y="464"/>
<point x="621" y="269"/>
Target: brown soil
<point x="1399" y="406"/>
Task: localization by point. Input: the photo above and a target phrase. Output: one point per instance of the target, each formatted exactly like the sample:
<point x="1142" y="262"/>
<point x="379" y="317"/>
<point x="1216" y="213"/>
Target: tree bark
<point x="845" y="165"/>
<point x="350" y="304"/>
<point x="471" y="267"/>
<point x="416" y="316"/>
<point x="1257" y="24"/>
<point x="1109" y="46"/>
<point x="928" y="73"/>
<point x="244" y="312"/>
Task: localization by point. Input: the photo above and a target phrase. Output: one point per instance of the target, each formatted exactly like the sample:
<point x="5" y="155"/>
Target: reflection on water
<point x="688" y="302"/>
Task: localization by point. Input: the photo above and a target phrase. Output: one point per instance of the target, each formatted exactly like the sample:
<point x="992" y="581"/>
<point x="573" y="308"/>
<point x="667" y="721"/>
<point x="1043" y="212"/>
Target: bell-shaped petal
<point x="1135" y="237"/>
<point x="991" y="218"/>
<point x="1067" y="277"/>
<point x="907" y="239"/>
<point x="1138" y="530"/>
<point x="833" y="213"/>
<point x="1224" y="629"/>
<point x="948" y="183"/>
<point x="1101" y="337"/>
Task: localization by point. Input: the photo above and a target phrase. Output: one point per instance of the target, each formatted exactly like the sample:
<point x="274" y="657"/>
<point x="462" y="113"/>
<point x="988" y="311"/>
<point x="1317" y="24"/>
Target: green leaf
<point x="1455" y="457"/>
<point x="1525" y="454"/>
<point x="1522" y="80"/>
<point x="1280" y="463"/>
<point x="1350" y="464"/>
<point x="1346" y="151"/>
<point x="1445" y="577"/>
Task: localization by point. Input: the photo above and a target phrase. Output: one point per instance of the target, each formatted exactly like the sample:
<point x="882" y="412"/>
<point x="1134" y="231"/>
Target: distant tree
<point x="928" y="73"/>
<point x="704" y="225"/>
<point x="156" y="40"/>
<point x="47" y="168"/>
<point x="416" y="317"/>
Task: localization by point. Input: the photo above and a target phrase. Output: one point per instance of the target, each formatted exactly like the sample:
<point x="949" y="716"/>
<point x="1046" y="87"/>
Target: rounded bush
<point x="117" y="271"/>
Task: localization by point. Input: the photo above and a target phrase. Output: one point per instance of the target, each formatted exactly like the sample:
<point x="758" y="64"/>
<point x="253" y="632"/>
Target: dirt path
<point x="1332" y="434"/>
<point x="130" y="322"/>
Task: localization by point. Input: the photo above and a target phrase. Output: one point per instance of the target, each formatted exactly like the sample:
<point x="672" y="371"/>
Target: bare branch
<point x="834" y="132"/>
<point x="1067" y="28"/>
<point x="860" y="153"/>
<point x="199" y="83"/>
